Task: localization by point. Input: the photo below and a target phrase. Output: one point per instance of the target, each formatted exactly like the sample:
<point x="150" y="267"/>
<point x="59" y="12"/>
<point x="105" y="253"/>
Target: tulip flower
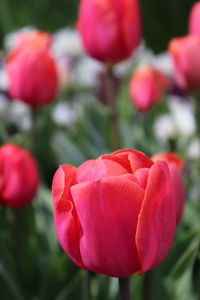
<point x="194" y="19"/>
<point x="32" y="71"/>
<point x="175" y="165"/>
<point x="186" y="59"/>
<point x="115" y="214"/>
<point x="110" y="30"/>
<point x="19" y="176"/>
<point x="147" y="87"/>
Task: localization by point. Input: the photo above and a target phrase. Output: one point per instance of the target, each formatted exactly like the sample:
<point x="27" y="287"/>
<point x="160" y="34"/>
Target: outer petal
<point x="156" y="222"/>
<point x="67" y="225"/>
<point x="108" y="212"/>
<point x="175" y="165"/>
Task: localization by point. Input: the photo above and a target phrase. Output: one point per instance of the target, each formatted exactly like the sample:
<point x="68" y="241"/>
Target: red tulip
<point x="19" y="176"/>
<point x="194" y="19"/>
<point x="186" y="58"/>
<point x="32" y="71"/>
<point x="115" y="214"/>
<point x="110" y="29"/>
<point x="175" y="165"/>
<point x="147" y="87"/>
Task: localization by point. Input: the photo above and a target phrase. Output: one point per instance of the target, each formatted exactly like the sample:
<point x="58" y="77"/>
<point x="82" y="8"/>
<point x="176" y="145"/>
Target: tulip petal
<point x="142" y="177"/>
<point x="68" y="229"/>
<point x="120" y="159"/>
<point x="156" y="221"/>
<point x="95" y="169"/>
<point x="108" y="211"/>
<point x="136" y="159"/>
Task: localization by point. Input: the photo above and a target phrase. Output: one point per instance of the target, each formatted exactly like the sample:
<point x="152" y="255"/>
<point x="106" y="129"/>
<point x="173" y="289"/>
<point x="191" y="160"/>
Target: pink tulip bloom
<point x="186" y="59"/>
<point x="110" y="30"/>
<point x="147" y="86"/>
<point x="115" y="215"/>
<point x="19" y="176"/>
<point x="32" y="71"/>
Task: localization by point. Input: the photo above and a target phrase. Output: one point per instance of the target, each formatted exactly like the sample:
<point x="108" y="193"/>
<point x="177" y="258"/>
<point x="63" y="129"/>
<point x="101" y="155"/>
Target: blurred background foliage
<point x="162" y="20"/>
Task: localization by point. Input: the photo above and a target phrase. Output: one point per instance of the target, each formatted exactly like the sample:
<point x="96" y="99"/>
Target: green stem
<point x="112" y="102"/>
<point x="197" y="114"/>
<point x="87" y="276"/>
<point x="3" y="133"/>
<point x="124" y="288"/>
<point x="147" y="286"/>
<point x="33" y="136"/>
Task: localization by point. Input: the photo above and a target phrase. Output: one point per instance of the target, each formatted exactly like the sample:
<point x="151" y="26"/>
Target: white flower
<point x="163" y="62"/>
<point x="164" y="127"/>
<point x="65" y="114"/>
<point x="179" y="122"/>
<point x="193" y="150"/>
<point x="19" y="113"/>
<point x="86" y="72"/>
<point x="67" y="42"/>
<point x="183" y="115"/>
<point x="3" y="79"/>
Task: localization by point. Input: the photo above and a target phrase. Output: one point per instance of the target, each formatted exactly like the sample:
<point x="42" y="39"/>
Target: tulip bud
<point x="115" y="215"/>
<point x="32" y="71"/>
<point x="110" y="30"/>
<point x="194" y="19"/>
<point x="19" y="176"/>
<point x="147" y="87"/>
<point x="175" y="165"/>
<point x="186" y="59"/>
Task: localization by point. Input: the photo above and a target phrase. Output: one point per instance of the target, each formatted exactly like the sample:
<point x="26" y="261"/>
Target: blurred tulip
<point x="175" y="165"/>
<point x="194" y="19"/>
<point x="147" y="87"/>
<point x="19" y="176"/>
<point x="186" y="59"/>
<point x="115" y="215"/>
<point x="32" y="71"/>
<point x="110" y="30"/>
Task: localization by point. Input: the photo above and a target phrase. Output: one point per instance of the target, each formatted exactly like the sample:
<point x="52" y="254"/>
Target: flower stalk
<point x="112" y="102"/>
<point x="124" y="288"/>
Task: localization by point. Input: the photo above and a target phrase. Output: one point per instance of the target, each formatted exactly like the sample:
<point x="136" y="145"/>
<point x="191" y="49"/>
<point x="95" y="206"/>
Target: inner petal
<point x="93" y="170"/>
